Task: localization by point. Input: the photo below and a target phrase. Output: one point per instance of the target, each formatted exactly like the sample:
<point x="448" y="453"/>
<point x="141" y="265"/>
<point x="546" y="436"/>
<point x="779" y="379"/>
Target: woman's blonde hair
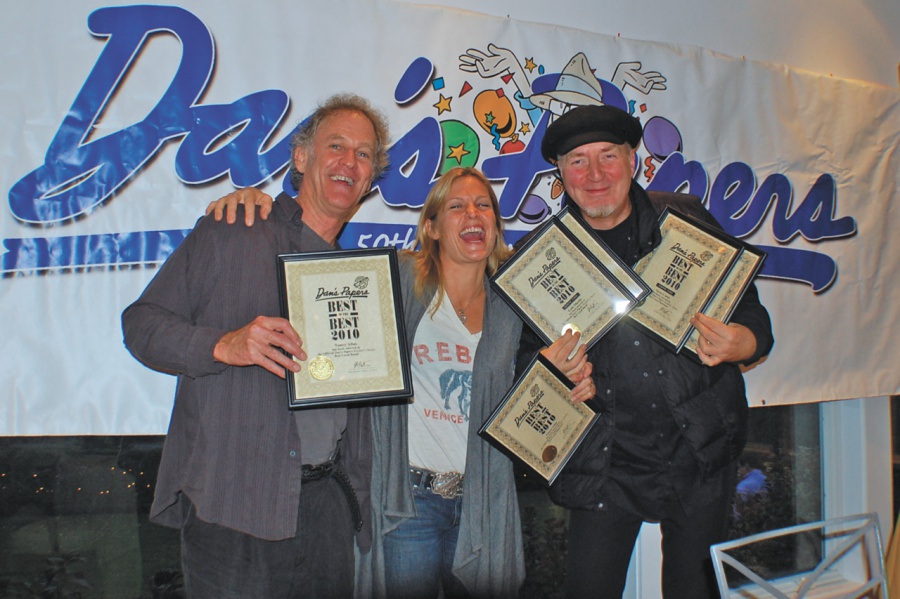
<point x="429" y="273"/>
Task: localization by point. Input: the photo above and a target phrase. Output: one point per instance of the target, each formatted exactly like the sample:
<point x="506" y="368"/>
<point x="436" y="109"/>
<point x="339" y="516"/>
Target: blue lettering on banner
<point x="740" y="207"/>
<point x="77" y="176"/>
<point x="214" y="140"/>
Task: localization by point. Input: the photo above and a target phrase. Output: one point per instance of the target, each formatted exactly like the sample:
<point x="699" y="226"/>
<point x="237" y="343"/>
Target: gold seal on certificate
<point x="321" y="368"/>
<point x="537" y="422"/>
<point x="345" y="305"/>
<point x="554" y="283"/>
<point x="684" y="272"/>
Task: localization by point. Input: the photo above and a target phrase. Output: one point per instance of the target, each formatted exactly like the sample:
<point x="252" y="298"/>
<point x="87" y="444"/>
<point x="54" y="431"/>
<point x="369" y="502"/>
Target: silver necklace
<point x="461" y="313"/>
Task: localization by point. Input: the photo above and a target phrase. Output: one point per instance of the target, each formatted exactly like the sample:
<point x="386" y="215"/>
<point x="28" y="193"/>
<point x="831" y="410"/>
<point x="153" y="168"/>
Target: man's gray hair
<point x="306" y="134"/>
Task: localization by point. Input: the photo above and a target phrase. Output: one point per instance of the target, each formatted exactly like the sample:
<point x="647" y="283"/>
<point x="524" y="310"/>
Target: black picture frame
<point x="553" y="282"/>
<point x="536" y="422"/>
<point x="684" y="272"/>
<point x="575" y="222"/>
<point x="346" y="306"/>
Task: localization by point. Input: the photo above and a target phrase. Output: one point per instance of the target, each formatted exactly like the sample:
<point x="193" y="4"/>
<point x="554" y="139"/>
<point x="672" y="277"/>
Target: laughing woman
<point x="445" y="500"/>
<point x="445" y="513"/>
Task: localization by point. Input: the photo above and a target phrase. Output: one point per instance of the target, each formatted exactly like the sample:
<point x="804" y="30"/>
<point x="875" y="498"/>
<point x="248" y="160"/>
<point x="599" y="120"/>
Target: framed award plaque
<point x="555" y="284"/>
<point x="346" y="307"/>
<point x="537" y="422"/>
<point x="684" y="273"/>
<point x="619" y="269"/>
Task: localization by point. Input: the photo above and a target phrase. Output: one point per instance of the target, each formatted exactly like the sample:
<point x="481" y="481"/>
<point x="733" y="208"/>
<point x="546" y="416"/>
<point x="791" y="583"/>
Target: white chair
<point x="837" y="558"/>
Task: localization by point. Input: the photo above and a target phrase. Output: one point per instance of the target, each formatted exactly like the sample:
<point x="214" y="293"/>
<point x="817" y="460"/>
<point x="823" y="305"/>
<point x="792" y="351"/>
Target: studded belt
<point x="448" y="485"/>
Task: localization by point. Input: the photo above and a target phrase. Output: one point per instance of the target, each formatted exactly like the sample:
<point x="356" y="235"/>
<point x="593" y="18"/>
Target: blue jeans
<point x="418" y="554"/>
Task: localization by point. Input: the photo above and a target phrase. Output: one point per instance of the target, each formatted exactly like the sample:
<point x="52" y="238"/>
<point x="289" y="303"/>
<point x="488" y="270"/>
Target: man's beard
<point x="600" y="211"/>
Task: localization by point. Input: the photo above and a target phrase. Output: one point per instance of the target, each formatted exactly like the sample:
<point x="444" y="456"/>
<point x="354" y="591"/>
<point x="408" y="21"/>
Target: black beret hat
<point x="589" y="124"/>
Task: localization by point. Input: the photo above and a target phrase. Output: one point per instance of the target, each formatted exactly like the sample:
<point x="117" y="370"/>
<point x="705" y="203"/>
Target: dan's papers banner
<point x="122" y="122"/>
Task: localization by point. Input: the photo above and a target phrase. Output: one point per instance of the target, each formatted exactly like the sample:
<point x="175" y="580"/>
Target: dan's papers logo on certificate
<point x="536" y="415"/>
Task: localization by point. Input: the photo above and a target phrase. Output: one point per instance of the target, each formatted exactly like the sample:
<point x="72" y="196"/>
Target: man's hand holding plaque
<point x="723" y="303"/>
<point x="695" y="269"/>
<point x="346" y="307"/>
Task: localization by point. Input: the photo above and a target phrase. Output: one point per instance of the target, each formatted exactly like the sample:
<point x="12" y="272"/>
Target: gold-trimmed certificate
<point x="346" y="307"/>
<point x="684" y="272"/>
<point x="619" y="269"/>
<point x="730" y="292"/>
<point x="537" y="422"/>
<point x="555" y="284"/>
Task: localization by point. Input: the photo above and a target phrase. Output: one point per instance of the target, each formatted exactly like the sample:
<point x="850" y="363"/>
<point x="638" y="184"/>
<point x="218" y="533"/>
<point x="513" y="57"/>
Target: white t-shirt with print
<point x="442" y="356"/>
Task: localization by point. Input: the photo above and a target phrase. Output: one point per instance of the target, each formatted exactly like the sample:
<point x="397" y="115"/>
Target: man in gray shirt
<point x="235" y="457"/>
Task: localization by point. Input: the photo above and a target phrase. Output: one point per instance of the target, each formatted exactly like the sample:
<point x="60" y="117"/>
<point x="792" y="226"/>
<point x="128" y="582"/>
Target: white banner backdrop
<point x="121" y="124"/>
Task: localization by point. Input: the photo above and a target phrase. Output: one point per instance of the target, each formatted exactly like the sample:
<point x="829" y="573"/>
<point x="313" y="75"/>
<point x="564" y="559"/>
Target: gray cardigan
<point x="489" y="558"/>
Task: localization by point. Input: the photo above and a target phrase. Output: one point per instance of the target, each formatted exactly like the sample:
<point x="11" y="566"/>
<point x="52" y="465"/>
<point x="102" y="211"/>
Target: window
<point x="73" y="510"/>
<point x="73" y="519"/>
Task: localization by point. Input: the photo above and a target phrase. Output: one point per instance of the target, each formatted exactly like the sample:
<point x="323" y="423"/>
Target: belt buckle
<point x="447" y="484"/>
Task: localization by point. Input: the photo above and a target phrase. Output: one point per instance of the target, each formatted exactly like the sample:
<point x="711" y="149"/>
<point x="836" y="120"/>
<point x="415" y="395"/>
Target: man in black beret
<point x="670" y="430"/>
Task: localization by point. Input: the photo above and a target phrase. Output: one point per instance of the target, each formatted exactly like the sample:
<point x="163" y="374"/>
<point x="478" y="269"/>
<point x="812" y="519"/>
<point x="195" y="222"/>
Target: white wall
<point x="852" y="39"/>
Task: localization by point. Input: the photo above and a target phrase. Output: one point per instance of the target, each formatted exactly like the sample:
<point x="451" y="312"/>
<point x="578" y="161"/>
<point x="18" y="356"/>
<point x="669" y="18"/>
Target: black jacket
<point x="709" y="405"/>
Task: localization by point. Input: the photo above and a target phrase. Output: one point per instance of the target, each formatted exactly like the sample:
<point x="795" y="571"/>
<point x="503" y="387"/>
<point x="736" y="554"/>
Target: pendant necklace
<point x="461" y="313"/>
